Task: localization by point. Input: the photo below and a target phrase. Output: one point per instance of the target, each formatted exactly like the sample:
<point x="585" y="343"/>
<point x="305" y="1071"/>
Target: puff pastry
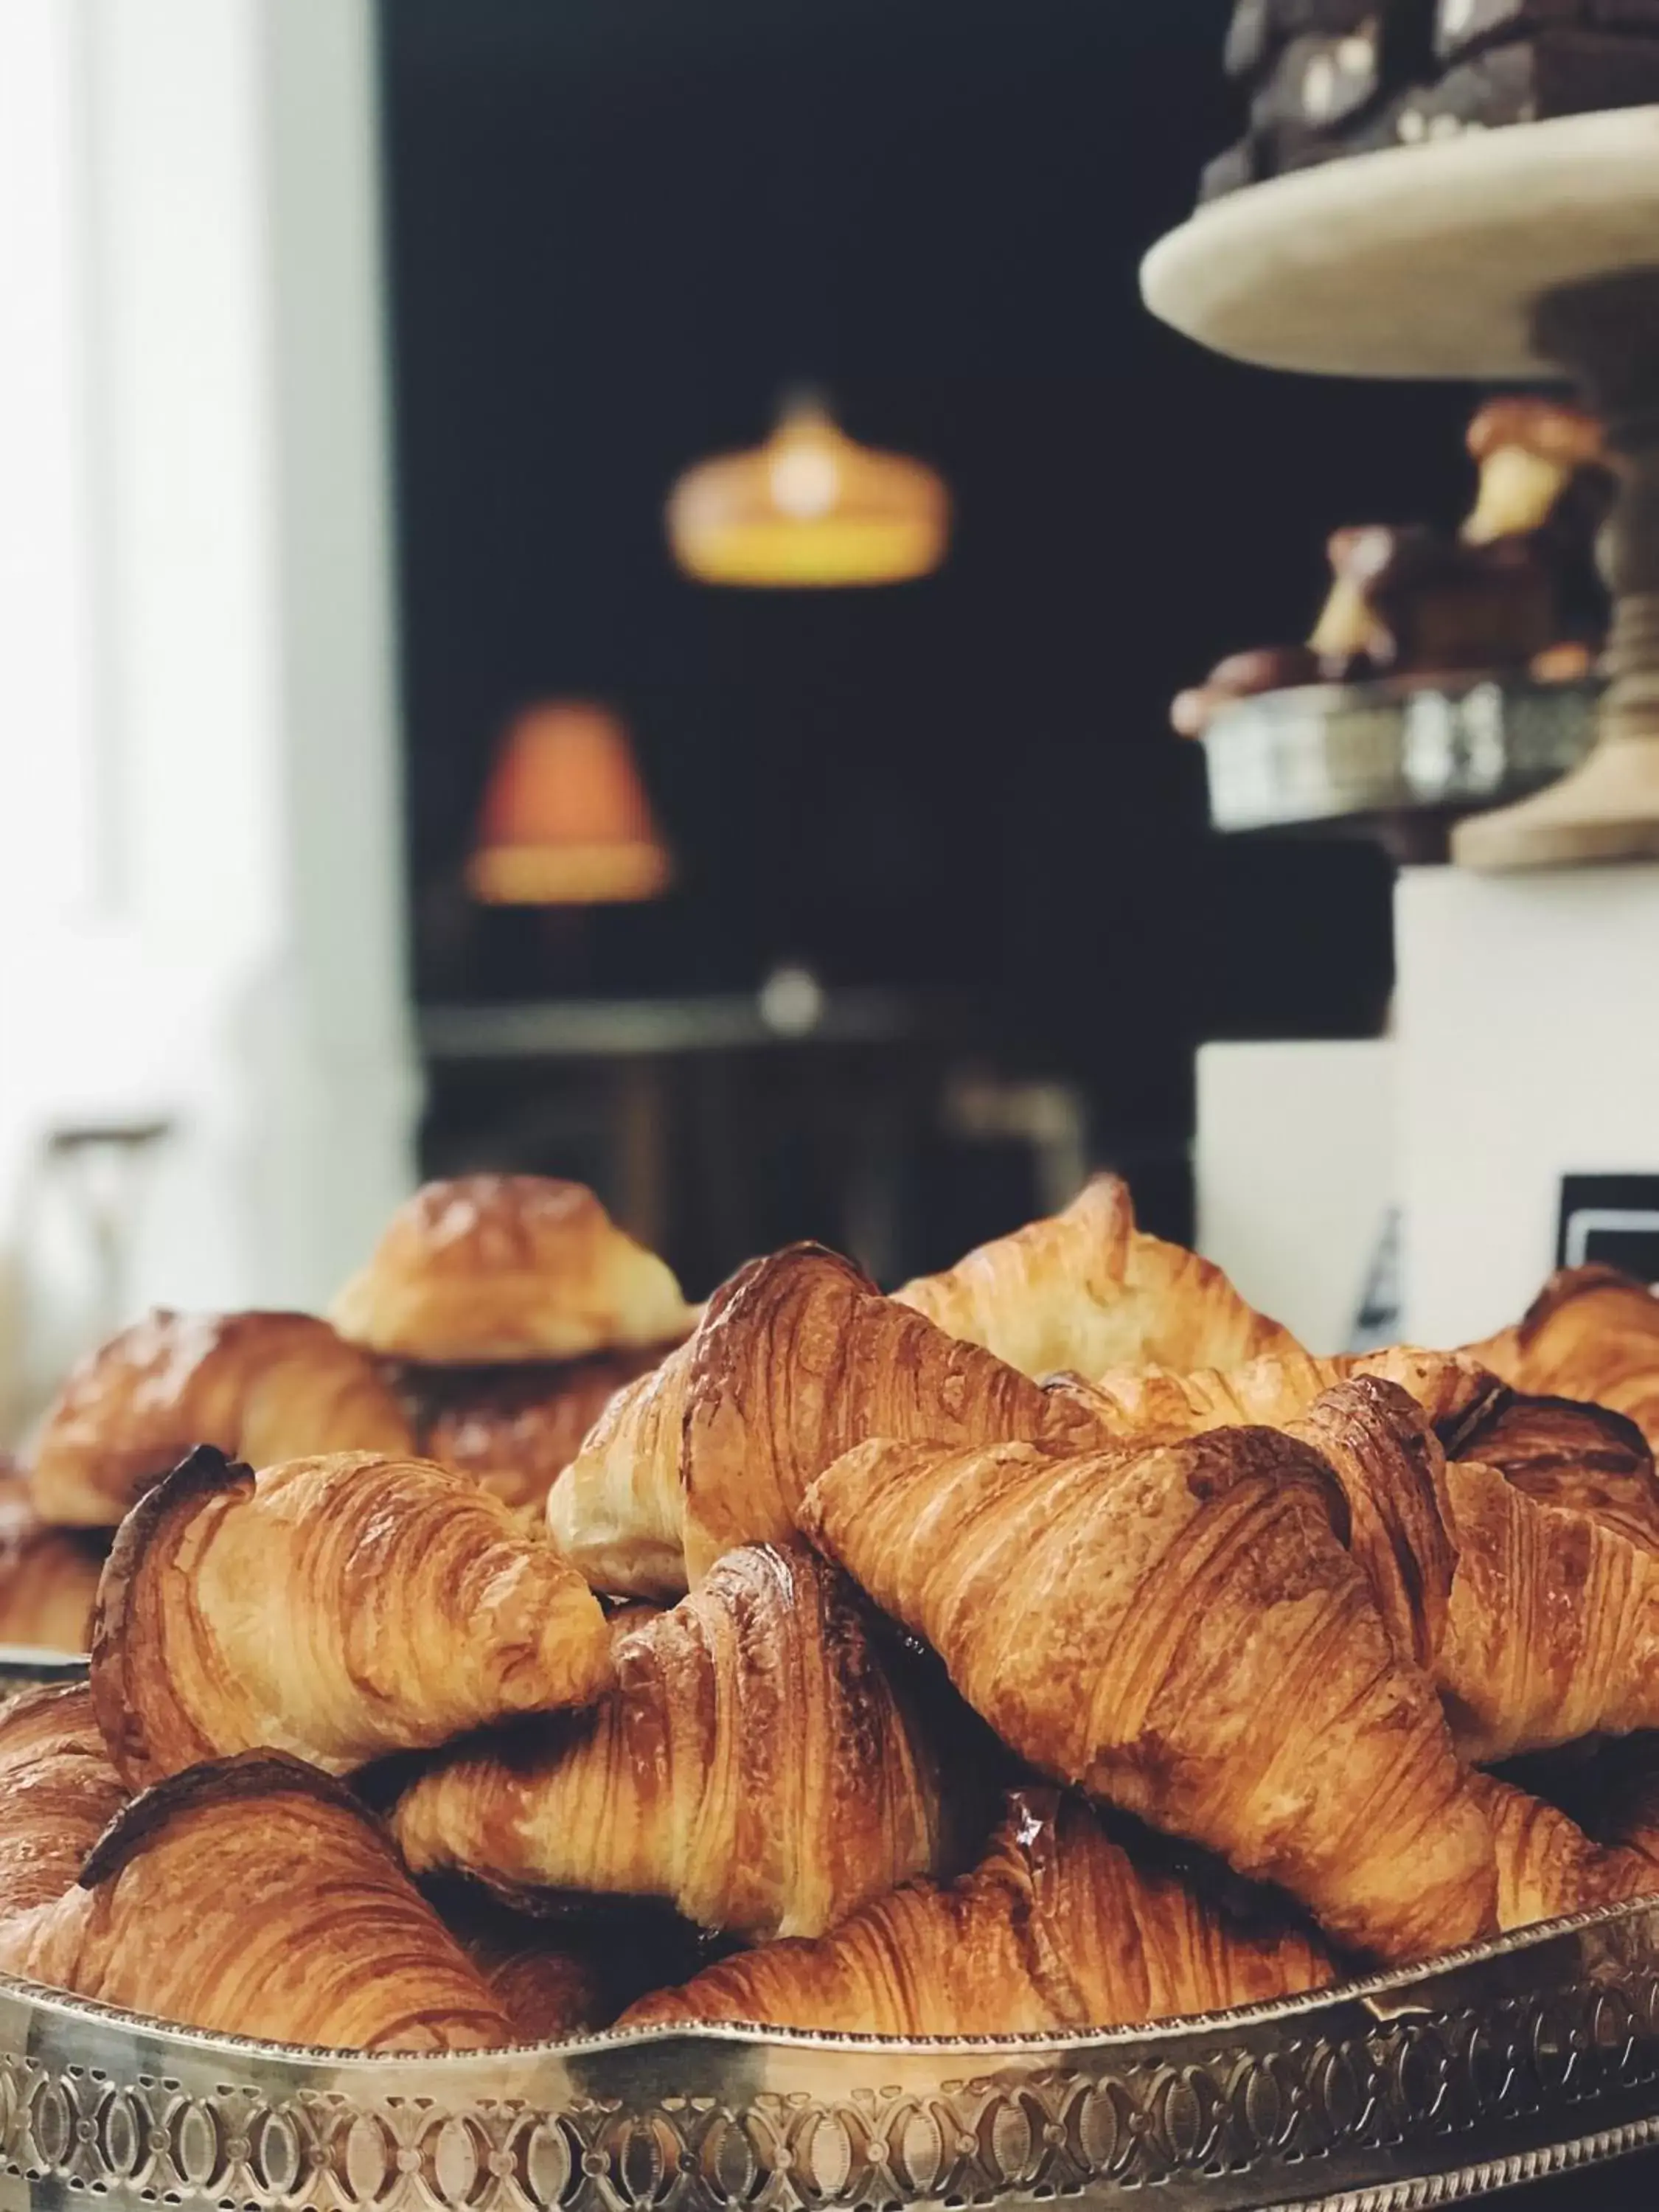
<point x="1586" y="1458"/>
<point x="1593" y="1335"/>
<point x="1060" y="1927"/>
<point x="1553" y="1633"/>
<point x="1089" y="1290"/>
<point x="58" y="1792"/>
<point x="1548" y="1867"/>
<point x="516" y="1428"/>
<point x="48" y="1576"/>
<point x="1181" y="1631"/>
<point x="490" y="1267"/>
<point x="261" y="1387"/>
<point x="338" y="1607"/>
<point x="1280" y="1387"/>
<point x="755" y="1765"/>
<point x="796" y="1359"/>
<point x="255" y="1897"/>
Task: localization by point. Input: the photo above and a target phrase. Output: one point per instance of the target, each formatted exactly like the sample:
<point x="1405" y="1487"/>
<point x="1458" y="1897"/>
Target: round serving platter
<point x="1408" y="759"/>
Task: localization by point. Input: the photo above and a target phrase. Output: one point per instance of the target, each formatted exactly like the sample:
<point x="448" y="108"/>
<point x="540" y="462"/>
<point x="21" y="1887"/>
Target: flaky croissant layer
<point x="1181" y="1631"/>
<point x="755" y="1765"/>
<point x="338" y="1608"/>
<point x="1059" y="1927"/>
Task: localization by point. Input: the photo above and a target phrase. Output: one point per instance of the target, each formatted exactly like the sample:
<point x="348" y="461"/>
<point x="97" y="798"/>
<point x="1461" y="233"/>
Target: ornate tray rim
<point x="1366" y="1989"/>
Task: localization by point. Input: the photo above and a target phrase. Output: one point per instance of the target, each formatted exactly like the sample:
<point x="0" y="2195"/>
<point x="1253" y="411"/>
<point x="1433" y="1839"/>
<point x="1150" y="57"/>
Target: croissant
<point x="516" y="1429"/>
<point x="338" y="1607"/>
<point x="1280" y="1387"/>
<point x="1585" y="1458"/>
<point x="1059" y="1927"/>
<point x="755" y="1765"/>
<point x="1180" y="1631"/>
<point x="254" y="1896"/>
<point x="261" y="1387"/>
<point x="1089" y="1290"/>
<point x="1592" y="1334"/>
<point x="796" y="1358"/>
<point x="48" y="1576"/>
<point x="1547" y="1868"/>
<point x="548" y="1982"/>
<point x="1552" y="1631"/>
<point x="57" y="1794"/>
<point x="490" y="1267"/>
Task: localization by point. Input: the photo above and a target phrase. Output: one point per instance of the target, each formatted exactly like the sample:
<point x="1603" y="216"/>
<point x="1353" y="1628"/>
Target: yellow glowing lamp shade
<point x="809" y="507"/>
<point x="566" y="820"/>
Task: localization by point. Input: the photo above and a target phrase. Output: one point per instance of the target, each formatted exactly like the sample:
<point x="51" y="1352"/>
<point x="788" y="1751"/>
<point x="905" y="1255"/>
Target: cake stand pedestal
<point x="1517" y="253"/>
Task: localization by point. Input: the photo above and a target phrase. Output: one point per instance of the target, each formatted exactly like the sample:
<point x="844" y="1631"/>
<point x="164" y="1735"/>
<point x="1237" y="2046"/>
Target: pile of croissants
<point x="1055" y="1643"/>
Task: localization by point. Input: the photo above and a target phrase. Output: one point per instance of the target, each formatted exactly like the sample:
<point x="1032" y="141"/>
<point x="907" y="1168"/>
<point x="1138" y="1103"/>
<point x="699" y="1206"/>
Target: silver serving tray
<point x="1531" y="2056"/>
<point x="1331" y="753"/>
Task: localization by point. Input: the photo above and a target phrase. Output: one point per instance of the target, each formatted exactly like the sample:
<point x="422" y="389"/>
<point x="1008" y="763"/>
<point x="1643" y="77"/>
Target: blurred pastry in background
<point x="259" y="1387"/>
<point x="1515" y="591"/>
<point x="507" y="1310"/>
<point x="48" y="1576"/>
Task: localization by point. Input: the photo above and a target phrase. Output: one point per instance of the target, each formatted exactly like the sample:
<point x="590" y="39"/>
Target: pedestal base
<point x="1607" y="809"/>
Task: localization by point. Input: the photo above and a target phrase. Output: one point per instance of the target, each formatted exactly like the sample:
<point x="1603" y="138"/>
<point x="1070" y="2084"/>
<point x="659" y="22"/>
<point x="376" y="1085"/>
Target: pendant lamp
<point x="566" y="821"/>
<point x="809" y="507"/>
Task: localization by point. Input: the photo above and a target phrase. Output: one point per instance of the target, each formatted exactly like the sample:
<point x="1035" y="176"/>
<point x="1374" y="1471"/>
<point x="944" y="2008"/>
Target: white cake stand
<point x="1523" y="253"/>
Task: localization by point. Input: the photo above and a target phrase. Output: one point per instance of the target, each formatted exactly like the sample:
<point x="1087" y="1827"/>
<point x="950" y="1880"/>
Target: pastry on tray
<point x="1515" y="591"/>
<point x="507" y="1309"/>
<point x="1254" y="1638"/>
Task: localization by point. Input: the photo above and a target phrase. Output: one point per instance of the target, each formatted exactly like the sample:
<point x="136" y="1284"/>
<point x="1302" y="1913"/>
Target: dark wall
<point x="619" y="227"/>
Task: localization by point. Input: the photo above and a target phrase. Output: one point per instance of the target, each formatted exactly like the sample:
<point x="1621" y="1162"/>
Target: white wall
<point x="1294" y="1170"/>
<point x="1527" y="1019"/>
<point x="200" y="905"/>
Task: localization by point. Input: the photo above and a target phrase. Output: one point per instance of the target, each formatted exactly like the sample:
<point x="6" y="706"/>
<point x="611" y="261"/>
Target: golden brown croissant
<point x="1279" y="1387"/>
<point x="547" y="1979"/>
<point x="1180" y="1631"/>
<point x="338" y="1608"/>
<point x="796" y="1359"/>
<point x="48" y="1576"/>
<point x="1548" y="1867"/>
<point x="57" y="1794"/>
<point x="1060" y="1927"/>
<point x="490" y="1268"/>
<point x="1584" y="1457"/>
<point x="1592" y="1334"/>
<point x="1552" y="1631"/>
<point x="257" y="1898"/>
<point x="516" y="1428"/>
<point x="755" y="1765"/>
<point x="1089" y="1290"/>
<point x="261" y="1387"/>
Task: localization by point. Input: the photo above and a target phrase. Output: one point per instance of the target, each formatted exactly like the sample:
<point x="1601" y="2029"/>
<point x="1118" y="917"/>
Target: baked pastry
<point x="1089" y="1290"/>
<point x="1142" y="1402"/>
<point x="490" y="1268"/>
<point x="755" y="1765"/>
<point x="58" y="1792"/>
<point x="338" y="1608"/>
<point x="255" y="1897"/>
<point x="261" y="1387"/>
<point x="517" y="1428"/>
<point x="795" y="1358"/>
<point x="48" y="1576"/>
<point x="1059" y="1927"/>
<point x="1548" y="1867"/>
<point x="1181" y="1631"/>
<point x="1586" y="1458"/>
<point x="547" y="1978"/>
<point x="1552" y="1631"/>
<point x="1591" y="1333"/>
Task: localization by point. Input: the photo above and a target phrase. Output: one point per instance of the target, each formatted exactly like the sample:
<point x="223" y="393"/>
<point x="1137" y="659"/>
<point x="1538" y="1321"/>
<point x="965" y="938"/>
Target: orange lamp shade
<point x="809" y="507"/>
<point x="566" y="820"/>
